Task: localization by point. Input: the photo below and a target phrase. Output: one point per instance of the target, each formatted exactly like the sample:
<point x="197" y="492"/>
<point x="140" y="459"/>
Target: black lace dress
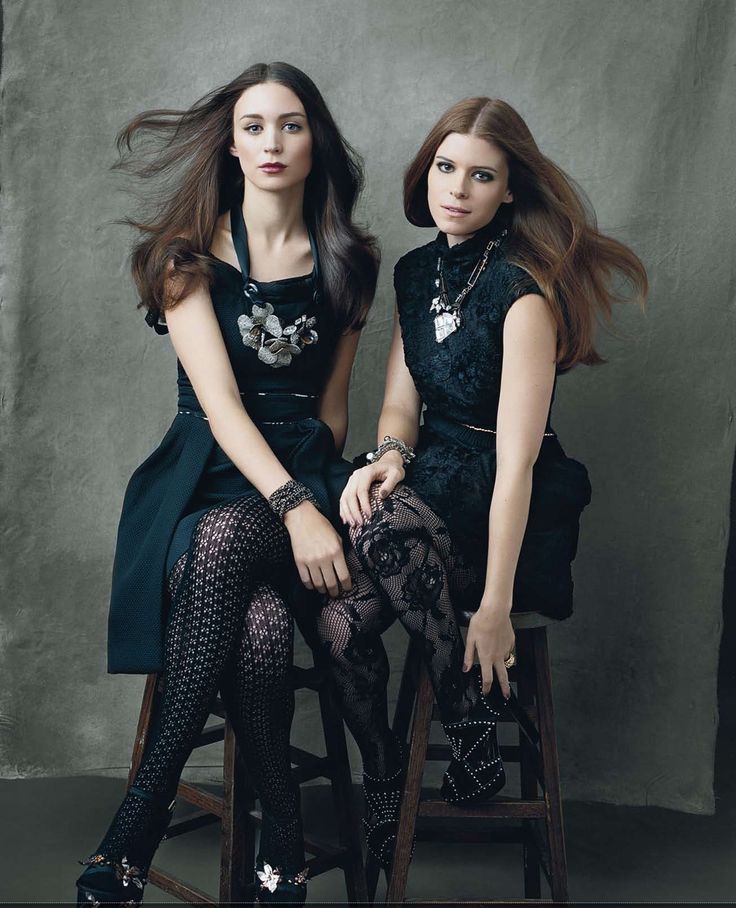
<point x="459" y="380"/>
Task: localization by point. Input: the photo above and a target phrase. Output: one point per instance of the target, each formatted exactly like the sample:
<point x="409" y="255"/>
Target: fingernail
<point x="466" y="668"/>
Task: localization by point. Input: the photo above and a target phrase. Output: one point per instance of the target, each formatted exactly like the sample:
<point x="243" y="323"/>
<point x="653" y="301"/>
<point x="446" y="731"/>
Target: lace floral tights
<point x="402" y="566"/>
<point x="228" y="629"/>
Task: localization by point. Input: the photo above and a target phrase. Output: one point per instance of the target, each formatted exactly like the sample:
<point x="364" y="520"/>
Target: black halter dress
<point x="459" y="380"/>
<point x="280" y="338"/>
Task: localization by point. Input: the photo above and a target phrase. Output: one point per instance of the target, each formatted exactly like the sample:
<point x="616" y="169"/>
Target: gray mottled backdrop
<point x="631" y="98"/>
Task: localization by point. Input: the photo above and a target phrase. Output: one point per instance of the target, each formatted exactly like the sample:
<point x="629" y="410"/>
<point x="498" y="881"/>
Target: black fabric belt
<point x="262" y="406"/>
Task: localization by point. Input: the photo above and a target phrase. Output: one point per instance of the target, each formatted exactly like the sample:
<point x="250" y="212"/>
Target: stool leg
<point x="400" y="726"/>
<point x="234" y="862"/>
<point x="144" y="724"/>
<point x="343" y="795"/>
<point x="407" y="689"/>
<point x="412" y="788"/>
<point x="550" y="767"/>
<point x="527" y="766"/>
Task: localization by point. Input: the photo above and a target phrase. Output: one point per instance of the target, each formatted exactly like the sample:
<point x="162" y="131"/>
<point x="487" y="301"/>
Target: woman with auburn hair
<point x="502" y="301"/>
<point x="253" y="265"/>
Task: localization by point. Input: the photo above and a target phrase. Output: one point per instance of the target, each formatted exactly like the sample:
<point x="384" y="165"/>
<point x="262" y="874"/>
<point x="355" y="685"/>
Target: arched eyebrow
<point x="440" y="157"/>
<point x="284" y="116"/>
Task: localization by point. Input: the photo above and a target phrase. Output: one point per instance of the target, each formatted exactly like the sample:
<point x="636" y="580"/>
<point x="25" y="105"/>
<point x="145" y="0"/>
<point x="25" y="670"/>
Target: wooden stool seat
<point x="533" y="820"/>
<point x="235" y="808"/>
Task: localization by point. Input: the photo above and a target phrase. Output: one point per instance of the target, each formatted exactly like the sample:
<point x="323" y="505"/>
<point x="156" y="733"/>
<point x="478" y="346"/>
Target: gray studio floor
<point x="615" y="854"/>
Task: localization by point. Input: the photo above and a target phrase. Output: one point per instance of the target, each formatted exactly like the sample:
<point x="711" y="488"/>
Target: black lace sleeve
<point x="518" y="283"/>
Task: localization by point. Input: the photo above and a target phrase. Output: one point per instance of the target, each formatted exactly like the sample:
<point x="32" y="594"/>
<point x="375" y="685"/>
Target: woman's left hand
<point x="491" y="636"/>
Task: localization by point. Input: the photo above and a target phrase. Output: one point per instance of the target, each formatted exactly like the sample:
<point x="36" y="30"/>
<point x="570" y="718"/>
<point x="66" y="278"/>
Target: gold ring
<point x="510" y="660"/>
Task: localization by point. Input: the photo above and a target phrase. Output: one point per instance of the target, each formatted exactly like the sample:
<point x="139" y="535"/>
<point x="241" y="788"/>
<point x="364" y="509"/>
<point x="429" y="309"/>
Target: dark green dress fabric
<point x="189" y="473"/>
<point x="459" y="380"/>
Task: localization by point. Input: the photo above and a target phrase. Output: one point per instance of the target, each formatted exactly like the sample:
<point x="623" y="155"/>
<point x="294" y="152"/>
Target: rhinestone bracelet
<point x="288" y="496"/>
<point x="390" y="443"/>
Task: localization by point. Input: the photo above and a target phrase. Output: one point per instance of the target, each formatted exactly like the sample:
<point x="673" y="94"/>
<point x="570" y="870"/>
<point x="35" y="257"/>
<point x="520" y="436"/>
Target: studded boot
<point x="475" y="772"/>
<point x="383" y="806"/>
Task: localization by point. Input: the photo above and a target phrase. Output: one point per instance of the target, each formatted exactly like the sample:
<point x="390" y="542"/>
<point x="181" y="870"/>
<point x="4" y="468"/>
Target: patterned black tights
<point x="228" y="629"/>
<point x="403" y="551"/>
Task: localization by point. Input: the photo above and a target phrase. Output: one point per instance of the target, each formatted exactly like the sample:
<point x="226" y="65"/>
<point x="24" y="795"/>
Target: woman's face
<point x="466" y="184"/>
<point x="271" y="137"/>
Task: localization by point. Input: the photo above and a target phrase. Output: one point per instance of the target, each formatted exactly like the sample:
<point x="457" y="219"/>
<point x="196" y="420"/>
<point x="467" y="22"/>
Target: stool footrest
<point x="309" y="678"/>
<point x="455" y="829"/>
<point x="499" y="809"/>
<point x="192" y="794"/>
<point x="323" y="851"/>
<point x="442" y="753"/>
<point x="531" y="715"/>
<point x="179" y="888"/>
<point x="211" y="735"/>
<point x="308" y="766"/>
<point x="193" y="821"/>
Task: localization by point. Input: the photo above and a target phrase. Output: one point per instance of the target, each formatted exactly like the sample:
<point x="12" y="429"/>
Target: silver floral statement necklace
<point x="263" y="331"/>
<point x="448" y="318"/>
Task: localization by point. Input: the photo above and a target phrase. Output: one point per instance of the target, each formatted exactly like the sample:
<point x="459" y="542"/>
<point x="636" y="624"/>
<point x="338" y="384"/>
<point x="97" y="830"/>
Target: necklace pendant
<point x="445" y="324"/>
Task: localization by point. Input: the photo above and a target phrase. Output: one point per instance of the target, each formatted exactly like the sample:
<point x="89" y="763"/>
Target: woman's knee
<point x="230" y="535"/>
<point x="269" y="618"/>
<point x="334" y="629"/>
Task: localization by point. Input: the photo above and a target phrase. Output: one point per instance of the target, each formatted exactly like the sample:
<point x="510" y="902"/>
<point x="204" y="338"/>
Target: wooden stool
<point x="235" y="808"/>
<point x="538" y="820"/>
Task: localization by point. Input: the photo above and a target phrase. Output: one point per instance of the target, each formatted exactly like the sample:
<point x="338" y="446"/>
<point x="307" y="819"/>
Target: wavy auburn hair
<point x="552" y="234"/>
<point x="189" y="152"/>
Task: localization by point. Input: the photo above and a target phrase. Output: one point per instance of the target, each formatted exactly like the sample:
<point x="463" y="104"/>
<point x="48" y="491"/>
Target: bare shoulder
<point x="222" y="241"/>
<point x="530" y="318"/>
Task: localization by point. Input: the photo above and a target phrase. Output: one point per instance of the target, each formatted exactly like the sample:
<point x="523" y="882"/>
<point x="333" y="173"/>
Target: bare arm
<point x="197" y="339"/>
<point x="401" y="402"/>
<point x="198" y="342"/>
<point x="527" y="379"/>
<point x="333" y="404"/>
<point x="400" y="419"/>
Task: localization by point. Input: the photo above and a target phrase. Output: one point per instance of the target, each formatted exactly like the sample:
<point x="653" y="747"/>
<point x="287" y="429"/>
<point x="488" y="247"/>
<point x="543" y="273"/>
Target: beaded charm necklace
<point x="447" y="320"/>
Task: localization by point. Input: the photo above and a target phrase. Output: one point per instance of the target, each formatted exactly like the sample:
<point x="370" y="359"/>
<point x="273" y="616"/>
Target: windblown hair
<point x="188" y="151"/>
<point x="553" y="234"/>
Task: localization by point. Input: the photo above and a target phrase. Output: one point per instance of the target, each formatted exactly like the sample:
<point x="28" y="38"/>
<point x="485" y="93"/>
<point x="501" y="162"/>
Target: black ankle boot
<point x="475" y="772"/>
<point x="383" y="806"/>
<point x="109" y="881"/>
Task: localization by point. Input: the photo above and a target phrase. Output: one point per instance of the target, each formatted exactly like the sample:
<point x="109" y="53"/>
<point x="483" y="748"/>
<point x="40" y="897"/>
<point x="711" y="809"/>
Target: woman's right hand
<point x="317" y="550"/>
<point x="355" y="505"/>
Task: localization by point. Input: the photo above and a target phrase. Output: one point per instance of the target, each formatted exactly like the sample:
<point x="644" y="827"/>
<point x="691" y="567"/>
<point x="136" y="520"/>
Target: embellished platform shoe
<point x="276" y="885"/>
<point x="475" y="773"/>
<point x="107" y="881"/>
<point x="383" y="806"/>
<point x="281" y="876"/>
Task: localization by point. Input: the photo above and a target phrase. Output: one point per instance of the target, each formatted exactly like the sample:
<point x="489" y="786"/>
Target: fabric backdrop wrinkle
<point x="634" y="100"/>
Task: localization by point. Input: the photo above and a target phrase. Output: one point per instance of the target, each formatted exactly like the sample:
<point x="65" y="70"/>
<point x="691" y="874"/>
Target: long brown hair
<point x="553" y="234"/>
<point x="188" y="151"/>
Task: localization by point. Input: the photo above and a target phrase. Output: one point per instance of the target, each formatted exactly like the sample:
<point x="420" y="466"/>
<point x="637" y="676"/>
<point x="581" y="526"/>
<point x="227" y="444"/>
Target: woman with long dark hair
<point x="488" y="314"/>
<point x="253" y="265"/>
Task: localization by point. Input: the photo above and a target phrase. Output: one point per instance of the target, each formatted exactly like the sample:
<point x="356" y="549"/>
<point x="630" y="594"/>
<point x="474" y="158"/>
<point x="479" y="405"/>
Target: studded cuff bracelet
<point x="288" y="496"/>
<point x="390" y="443"/>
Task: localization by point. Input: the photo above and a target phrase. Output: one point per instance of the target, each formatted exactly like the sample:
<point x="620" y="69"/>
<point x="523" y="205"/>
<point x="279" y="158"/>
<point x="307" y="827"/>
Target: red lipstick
<point x="272" y="167"/>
